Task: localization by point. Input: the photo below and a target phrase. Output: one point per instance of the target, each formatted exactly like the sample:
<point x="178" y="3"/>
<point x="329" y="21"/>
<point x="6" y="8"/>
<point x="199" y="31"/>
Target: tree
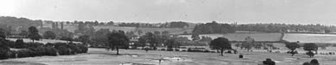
<point x="100" y="37"/>
<point x="84" y="38"/>
<point x="220" y="43"/>
<point x="248" y="44"/>
<point x="195" y="37"/>
<point x="310" y="47"/>
<point x="292" y="47"/>
<point x="150" y="38"/>
<point x="24" y="33"/>
<point x="171" y="43"/>
<point x="206" y="38"/>
<point x="33" y="33"/>
<point x="117" y="40"/>
<point x="2" y="33"/>
<point x="49" y="35"/>
<point x="213" y="27"/>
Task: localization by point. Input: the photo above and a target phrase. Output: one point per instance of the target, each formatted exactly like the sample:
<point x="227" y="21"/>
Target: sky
<point x="155" y="11"/>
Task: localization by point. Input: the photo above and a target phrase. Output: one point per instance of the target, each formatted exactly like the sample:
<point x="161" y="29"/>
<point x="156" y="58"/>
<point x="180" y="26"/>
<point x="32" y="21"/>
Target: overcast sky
<point x="240" y="11"/>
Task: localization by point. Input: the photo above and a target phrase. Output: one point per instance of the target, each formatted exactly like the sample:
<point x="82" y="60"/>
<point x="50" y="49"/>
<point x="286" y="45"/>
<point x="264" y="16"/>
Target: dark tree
<point x="178" y="24"/>
<point x="117" y="40"/>
<point x="33" y="34"/>
<point x="292" y="47"/>
<point x="195" y="37"/>
<point x="49" y="35"/>
<point x="2" y="33"/>
<point x="150" y="38"/>
<point x="84" y="38"/>
<point x="172" y="43"/>
<point x="220" y="43"/>
<point x="214" y="27"/>
<point x="100" y="37"/>
<point x="310" y="47"/>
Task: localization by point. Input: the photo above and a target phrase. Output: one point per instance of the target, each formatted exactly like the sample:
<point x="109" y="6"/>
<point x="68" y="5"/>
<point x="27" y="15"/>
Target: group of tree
<point x="175" y="24"/>
<point x="274" y="27"/>
<point x="220" y="44"/>
<point x="292" y="46"/>
<point x="213" y="28"/>
<point x="117" y="40"/>
<point x="32" y="49"/>
<point x="309" y="47"/>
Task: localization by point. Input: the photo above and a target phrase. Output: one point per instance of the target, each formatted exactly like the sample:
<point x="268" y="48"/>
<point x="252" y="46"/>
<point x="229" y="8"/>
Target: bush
<point x="51" y="51"/>
<point x="62" y="50"/>
<point x="74" y="49"/>
<point x="38" y="49"/>
<point x="4" y="52"/>
<point x="25" y="53"/>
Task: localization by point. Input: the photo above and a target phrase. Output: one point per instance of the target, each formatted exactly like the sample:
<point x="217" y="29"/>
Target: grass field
<point x="241" y="37"/>
<point x="310" y="38"/>
<point x="139" y="57"/>
<point x="144" y="30"/>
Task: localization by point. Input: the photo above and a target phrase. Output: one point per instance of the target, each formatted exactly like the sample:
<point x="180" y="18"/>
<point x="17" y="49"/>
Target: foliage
<point x="3" y="51"/>
<point x="275" y="27"/>
<point x="33" y="33"/>
<point x="206" y="38"/>
<point x="310" y="47"/>
<point x="19" y="44"/>
<point x="24" y="33"/>
<point x="220" y="43"/>
<point x="150" y="38"/>
<point x="292" y="47"/>
<point x="49" y="35"/>
<point x="310" y="54"/>
<point x="2" y="33"/>
<point x="214" y="27"/>
<point x="172" y="43"/>
<point x="117" y="40"/>
<point x="195" y="37"/>
<point x="84" y="38"/>
<point x="100" y="37"/>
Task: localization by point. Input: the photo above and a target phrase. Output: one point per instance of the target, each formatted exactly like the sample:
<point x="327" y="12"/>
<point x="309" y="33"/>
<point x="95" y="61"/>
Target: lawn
<point x="97" y="56"/>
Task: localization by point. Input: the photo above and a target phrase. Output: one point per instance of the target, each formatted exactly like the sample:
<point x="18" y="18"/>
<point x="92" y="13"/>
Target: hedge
<point x="38" y="49"/>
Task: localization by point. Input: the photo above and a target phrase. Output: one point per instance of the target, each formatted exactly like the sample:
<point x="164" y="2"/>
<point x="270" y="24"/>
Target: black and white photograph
<point x="167" y="32"/>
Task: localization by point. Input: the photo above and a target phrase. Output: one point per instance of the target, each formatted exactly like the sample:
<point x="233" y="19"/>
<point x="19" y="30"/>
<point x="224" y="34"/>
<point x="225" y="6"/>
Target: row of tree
<point x="213" y="28"/>
<point x="273" y="27"/>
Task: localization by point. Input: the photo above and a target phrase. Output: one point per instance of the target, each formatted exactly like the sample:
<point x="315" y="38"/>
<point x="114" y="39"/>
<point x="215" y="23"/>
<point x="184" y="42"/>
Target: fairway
<point x="97" y="56"/>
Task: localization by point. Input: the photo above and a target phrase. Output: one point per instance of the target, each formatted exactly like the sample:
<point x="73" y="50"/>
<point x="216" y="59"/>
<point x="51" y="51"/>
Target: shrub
<point x="19" y="44"/>
<point x="25" y="53"/>
<point x="50" y="51"/>
<point x="62" y="50"/>
<point x="4" y="52"/>
<point x="74" y="49"/>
